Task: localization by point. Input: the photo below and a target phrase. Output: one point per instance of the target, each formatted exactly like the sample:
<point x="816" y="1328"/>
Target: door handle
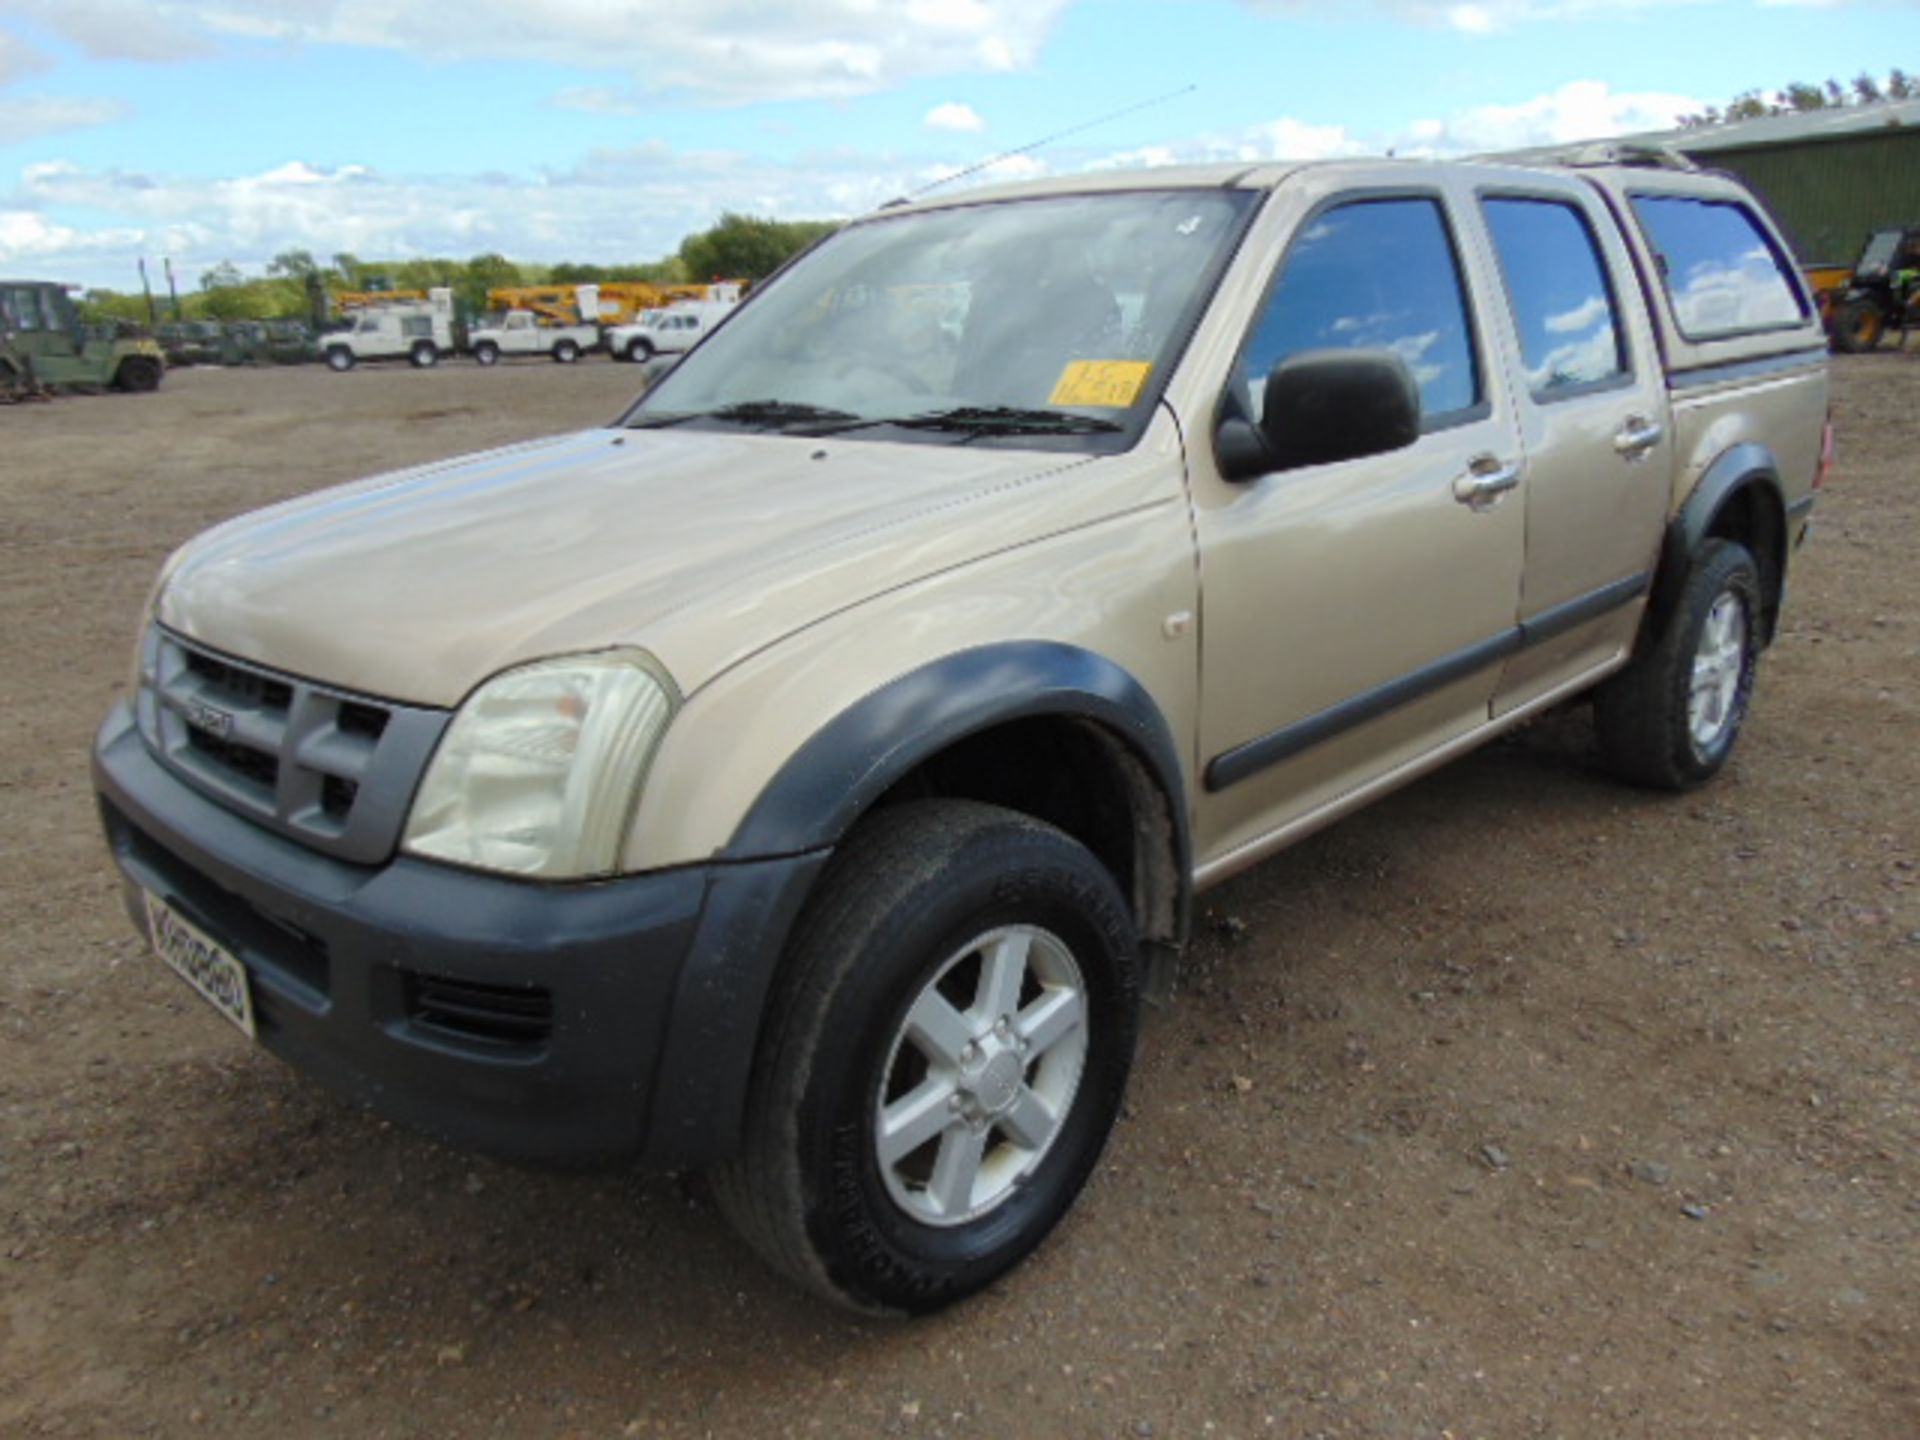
<point x="1634" y="439"/>
<point x="1486" y="480"/>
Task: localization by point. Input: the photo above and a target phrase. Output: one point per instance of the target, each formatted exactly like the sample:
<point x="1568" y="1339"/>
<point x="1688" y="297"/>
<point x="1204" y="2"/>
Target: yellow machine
<point x="619" y="300"/>
<point x="346" y="302"/>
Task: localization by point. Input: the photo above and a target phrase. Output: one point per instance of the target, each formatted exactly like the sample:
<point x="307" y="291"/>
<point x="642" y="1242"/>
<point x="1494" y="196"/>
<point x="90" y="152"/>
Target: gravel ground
<point x="1521" y="1105"/>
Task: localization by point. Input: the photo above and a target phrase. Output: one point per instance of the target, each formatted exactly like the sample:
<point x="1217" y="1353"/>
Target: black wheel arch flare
<point x="1744" y="475"/>
<point x="841" y="770"/>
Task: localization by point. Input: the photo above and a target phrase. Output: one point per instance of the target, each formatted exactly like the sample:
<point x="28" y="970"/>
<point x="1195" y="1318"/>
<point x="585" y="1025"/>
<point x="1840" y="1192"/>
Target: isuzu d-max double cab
<point x="802" y="777"/>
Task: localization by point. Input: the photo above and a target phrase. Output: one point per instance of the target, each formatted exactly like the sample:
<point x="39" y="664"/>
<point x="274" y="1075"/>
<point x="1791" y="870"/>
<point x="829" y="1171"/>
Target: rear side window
<point x="1374" y="275"/>
<point x="1563" y="305"/>
<point x="1722" y="273"/>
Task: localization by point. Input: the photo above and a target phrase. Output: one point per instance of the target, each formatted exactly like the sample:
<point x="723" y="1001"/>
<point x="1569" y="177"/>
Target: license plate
<point x="201" y="961"/>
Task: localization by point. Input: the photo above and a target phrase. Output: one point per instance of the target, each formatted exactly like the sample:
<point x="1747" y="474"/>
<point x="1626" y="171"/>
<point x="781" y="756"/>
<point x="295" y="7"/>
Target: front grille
<point x="242" y="686"/>
<point x="358" y="719"/>
<point x="255" y="766"/>
<point x="494" y="1016"/>
<point x="333" y="770"/>
<point x="337" y="795"/>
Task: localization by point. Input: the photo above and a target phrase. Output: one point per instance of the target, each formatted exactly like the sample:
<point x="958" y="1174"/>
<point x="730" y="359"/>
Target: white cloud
<point x="1580" y="110"/>
<point x="1583" y="316"/>
<point x="26" y="235"/>
<point x="1013" y="167"/>
<point x="17" y="58"/>
<point x="735" y="51"/>
<point x="621" y="205"/>
<point x="119" y="29"/>
<point x="596" y="100"/>
<point x="637" y="202"/>
<point x="1281" y="139"/>
<point x="963" y="119"/>
<point x="1484" y="17"/>
<point x="27" y="117"/>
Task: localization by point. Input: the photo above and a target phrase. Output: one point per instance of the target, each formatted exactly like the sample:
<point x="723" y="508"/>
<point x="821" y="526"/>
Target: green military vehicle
<point x="268" y="342"/>
<point x="44" y="346"/>
<point x="190" y="342"/>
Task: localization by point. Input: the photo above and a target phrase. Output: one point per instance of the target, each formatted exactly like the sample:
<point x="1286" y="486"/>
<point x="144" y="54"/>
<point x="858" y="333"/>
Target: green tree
<point x="97" y="307"/>
<point x="481" y="274"/>
<point x="1798" y="97"/>
<point x="747" y="247"/>
<point x="305" y="285"/>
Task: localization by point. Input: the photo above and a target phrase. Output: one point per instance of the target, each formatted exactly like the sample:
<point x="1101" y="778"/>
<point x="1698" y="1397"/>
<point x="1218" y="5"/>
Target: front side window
<point x="1049" y="321"/>
<point x="1557" y="287"/>
<point x="24" y="305"/>
<point x="1372" y="275"/>
<point x="1723" y="275"/>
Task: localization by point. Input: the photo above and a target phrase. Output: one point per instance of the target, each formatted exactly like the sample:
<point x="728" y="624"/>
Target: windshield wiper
<point x="772" y="414"/>
<point x="973" y="420"/>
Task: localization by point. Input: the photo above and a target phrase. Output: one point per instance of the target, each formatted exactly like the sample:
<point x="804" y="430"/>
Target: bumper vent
<point x="333" y="770"/>
<point x="511" y="1017"/>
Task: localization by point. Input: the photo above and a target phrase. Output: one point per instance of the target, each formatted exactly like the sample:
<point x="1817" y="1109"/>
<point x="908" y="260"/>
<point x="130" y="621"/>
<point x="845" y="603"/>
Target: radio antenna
<point x="1048" y="140"/>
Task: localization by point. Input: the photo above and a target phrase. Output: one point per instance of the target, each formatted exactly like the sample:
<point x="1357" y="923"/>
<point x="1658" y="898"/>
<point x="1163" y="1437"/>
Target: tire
<point x="340" y="359"/>
<point x="639" y="350"/>
<point x="1670" y="719"/>
<point x="1858" y="326"/>
<point x="138" y="375"/>
<point x="884" y="997"/>
<point x="487" y="353"/>
<point x="566" y="352"/>
<point x="424" y="355"/>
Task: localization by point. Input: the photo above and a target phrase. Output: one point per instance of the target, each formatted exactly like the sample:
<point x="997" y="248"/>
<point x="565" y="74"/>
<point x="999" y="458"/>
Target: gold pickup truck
<point x="803" y="777"/>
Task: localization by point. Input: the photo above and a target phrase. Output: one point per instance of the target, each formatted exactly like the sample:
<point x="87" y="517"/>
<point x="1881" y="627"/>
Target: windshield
<point x="1048" y="321"/>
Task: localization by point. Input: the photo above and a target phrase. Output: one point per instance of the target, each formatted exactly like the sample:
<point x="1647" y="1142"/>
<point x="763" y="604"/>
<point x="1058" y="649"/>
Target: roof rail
<point x="1638" y="155"/>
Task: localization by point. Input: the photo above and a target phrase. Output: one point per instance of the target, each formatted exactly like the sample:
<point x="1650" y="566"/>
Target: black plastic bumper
<point x="554" y="1024"/>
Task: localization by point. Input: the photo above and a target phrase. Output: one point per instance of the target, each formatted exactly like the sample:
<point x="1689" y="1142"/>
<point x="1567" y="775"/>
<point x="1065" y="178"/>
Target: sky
<point x="203" y="131"/>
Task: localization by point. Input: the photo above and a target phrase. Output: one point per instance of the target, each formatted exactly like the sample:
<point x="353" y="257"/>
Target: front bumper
<point x="555" y="1024"/>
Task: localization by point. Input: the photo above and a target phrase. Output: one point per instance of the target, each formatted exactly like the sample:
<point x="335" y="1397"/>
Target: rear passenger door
<point x="1592" y="409"/>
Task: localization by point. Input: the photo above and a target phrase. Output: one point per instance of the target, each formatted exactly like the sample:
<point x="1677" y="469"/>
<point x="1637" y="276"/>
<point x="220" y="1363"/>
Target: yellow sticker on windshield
<point x="1108" y="384"/>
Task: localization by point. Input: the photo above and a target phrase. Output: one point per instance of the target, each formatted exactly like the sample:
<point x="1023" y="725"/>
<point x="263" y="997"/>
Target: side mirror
<point x="1321" y="406"/>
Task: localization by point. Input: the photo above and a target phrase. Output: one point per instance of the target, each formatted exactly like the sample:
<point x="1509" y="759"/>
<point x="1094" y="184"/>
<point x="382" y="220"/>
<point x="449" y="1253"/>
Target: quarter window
<point x="1557" y="286"/>
<point x="1373" y="275"/>
<point x="1723" y="275"/>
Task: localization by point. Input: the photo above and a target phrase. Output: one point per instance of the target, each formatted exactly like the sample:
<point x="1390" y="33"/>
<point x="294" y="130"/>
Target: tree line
<point x="1800" y="96"/>
<point x="297" y="285"/>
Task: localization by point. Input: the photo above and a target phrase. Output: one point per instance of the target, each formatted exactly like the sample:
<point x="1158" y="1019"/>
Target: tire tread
<point x="761" y="1191"/>
<point x="1640" y="714"/>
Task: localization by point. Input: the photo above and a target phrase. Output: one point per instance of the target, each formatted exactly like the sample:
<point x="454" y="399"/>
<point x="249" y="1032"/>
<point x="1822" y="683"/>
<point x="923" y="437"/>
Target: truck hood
<point x="702" y="547"/>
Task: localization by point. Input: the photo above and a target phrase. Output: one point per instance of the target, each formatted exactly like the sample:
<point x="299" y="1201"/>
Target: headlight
<point x="540" y="769"/>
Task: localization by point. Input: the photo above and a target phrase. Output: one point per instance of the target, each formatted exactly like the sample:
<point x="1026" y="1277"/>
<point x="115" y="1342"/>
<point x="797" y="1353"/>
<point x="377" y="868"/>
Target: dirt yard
<point x="1522" y="1105"/>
